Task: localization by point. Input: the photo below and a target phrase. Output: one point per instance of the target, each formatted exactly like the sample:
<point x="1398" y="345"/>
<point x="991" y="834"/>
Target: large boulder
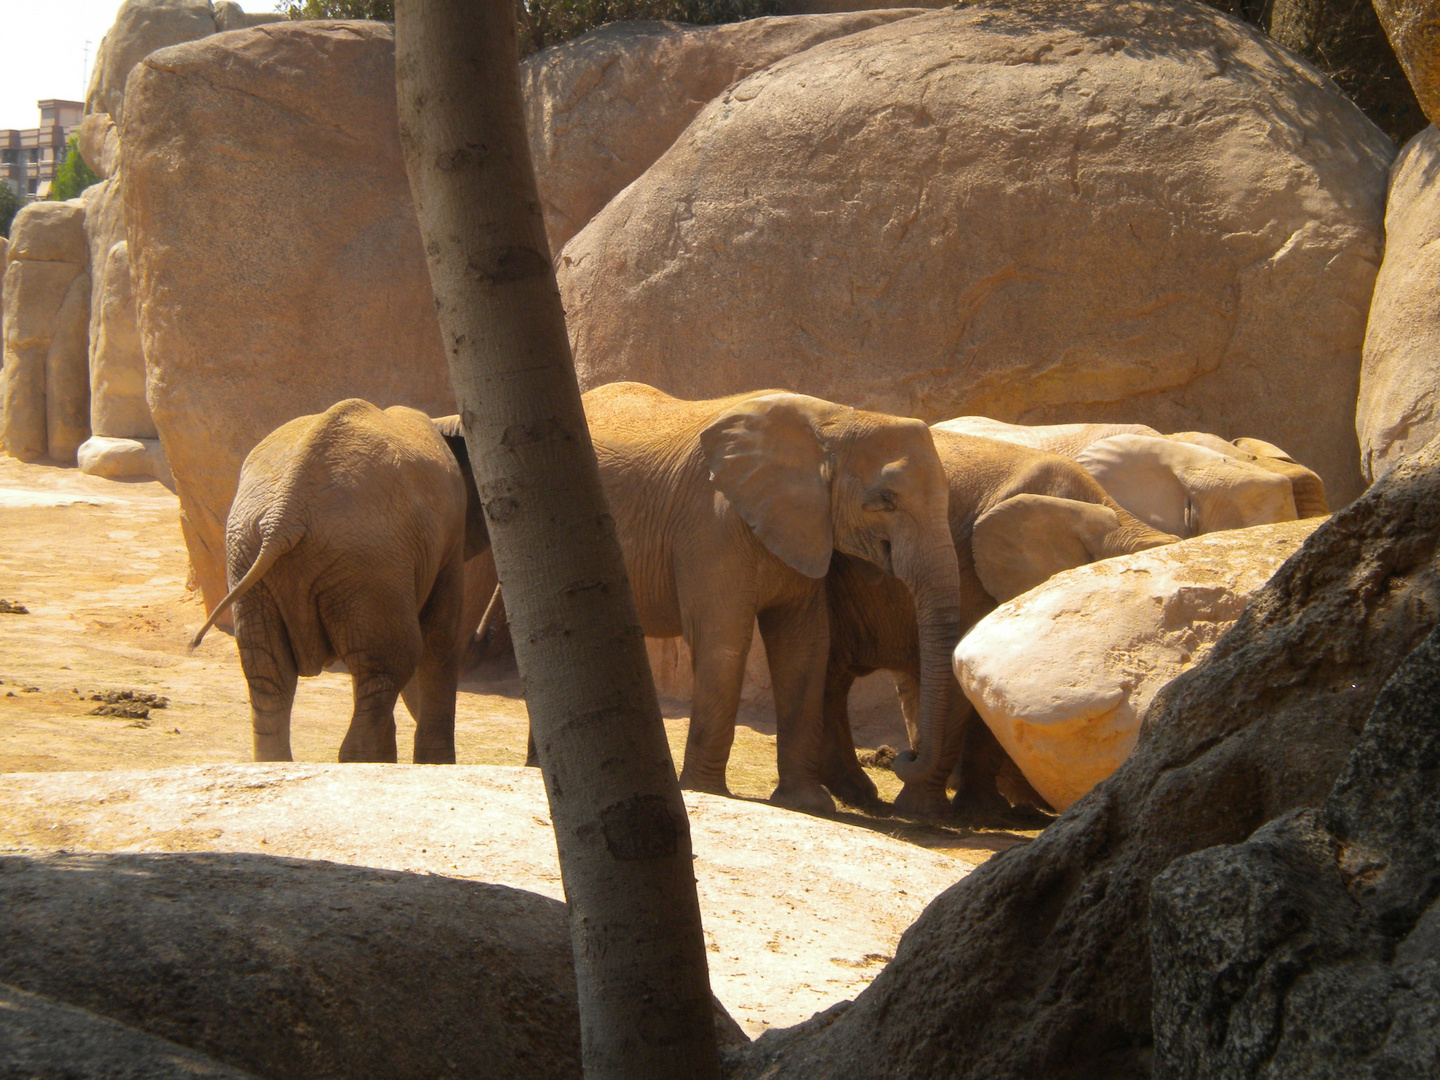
<point x="118" y="408"/>
<point x="1038" y="963"/>
<point x="602" y="107"/>
<point x="41" y="1039"/>
<point x="291" y="969"/>
<point x="45" y="382"/>
<point x="1399" y="408"/>
<point x="281" y="269"/>
<point x="140" y="28"/>
<point x="1063" y="674"/>
<point x="1312" y="950"/>
<point x="1413" y="27"/>
<point x="1141" y="212"/>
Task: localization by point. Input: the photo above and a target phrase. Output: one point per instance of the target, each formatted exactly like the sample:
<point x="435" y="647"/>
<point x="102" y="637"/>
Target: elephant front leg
<point x="719" y="646"/>
<point x="268" y="661"/>
<point x="797" y="644"/>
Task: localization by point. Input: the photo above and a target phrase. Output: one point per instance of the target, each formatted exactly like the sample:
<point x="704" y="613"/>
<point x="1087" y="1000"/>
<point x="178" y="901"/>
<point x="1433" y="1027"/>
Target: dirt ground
<point x="100" y="568"/>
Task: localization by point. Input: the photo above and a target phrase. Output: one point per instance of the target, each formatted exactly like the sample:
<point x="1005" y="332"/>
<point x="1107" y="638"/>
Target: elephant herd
<point x="855" y="541"/>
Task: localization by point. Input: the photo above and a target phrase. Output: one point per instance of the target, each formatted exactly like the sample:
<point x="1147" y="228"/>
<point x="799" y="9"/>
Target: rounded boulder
<point x="1135" y="212"/>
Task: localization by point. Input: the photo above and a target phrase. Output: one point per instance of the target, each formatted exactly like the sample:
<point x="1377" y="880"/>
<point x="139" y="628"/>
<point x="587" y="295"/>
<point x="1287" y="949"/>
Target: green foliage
<point x="10" y="205"/>
<point x="549" y="22"/>
<point x="374" y="10"/>
<point x="73" y="176"/>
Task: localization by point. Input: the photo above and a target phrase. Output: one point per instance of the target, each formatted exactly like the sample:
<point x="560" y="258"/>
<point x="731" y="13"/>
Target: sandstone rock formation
<point x="1037" y="964"/>
<point x="1063" y="674"/>
<point x="99" y="144"/>
<point x="292" y="969"/>
<point x="44" y="386"/>
<point x="141" y="27"/>
<point x="799" y="912"/>
<point x="1000" y="209"/>
<point x="281" y="270"/>
<point x="41" y="1038"/>
<point x="1399" y="407"/>
<point x="117" y="366"/>
<point x="1311" y="950"/>
<point x="1413" y="27"/>
<point x="601" y="108"/>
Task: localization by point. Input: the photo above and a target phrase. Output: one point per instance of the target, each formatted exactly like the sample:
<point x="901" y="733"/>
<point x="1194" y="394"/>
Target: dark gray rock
<point x="304" y="970"/>
<point x="42" y="1039"/>
<point x="1312" y="950"/>
<point x="1037" y="965"/>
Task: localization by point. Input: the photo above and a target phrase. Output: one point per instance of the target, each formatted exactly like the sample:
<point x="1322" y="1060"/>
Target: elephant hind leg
<point x="268" y="661"/>
<point x="434" y="684"/>
<point x="797" y="644"/>
<point x="840" y="769"/>
<point x="719" y="641"/>
<point x="378" y="637"/>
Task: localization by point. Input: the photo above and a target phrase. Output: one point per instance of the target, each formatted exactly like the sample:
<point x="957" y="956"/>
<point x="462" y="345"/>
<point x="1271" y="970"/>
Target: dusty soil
<point x="100" y="567"/>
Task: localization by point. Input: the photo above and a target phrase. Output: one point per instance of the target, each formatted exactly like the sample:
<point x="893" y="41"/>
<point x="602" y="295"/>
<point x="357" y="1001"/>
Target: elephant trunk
<point x="934" y="582"/>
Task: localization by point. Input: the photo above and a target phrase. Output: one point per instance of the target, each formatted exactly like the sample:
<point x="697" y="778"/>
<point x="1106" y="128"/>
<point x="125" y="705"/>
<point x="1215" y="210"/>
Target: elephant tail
<point x="271" y="549"/>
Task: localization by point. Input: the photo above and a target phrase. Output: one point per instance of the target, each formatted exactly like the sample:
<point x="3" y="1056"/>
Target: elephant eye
<point x="884" y="500"/>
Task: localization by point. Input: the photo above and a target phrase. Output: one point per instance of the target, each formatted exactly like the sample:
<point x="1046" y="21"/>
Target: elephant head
<point x="809" y="477"/>
<point x="1029" y="538"/>
<point x="1186" y="489"/>
<point x="1307" y="488"/>
<point x="477" y="535"/>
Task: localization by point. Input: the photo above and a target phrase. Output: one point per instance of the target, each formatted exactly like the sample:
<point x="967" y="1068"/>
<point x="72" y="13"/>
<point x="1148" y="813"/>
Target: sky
<point x="42" y="51"/>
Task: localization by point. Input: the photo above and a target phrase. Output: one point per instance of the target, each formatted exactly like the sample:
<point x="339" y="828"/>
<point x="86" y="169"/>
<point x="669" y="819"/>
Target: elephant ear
<point x="766" y="458"/>
<point x="1028" y="539"/>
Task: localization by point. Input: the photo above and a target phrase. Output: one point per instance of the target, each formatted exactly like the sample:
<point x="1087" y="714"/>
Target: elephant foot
<point x="917" y="801"/>
<point x="691" y="782"/>
<point x="272" y="748"/>
<point x="859" y="792"/>
<point x="434" y="755"/>
<point x="806" y="798"/>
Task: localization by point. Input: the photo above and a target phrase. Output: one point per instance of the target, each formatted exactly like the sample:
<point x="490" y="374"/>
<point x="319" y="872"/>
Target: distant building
<point x="28" y="159"/>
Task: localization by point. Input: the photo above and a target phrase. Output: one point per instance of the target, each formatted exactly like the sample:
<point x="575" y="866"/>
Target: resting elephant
<point x="729" y="511"/>
<point x="346" y="541"/>
<point x="1187" y="489"/>
<point x="1016" y="516"/>
<point x="1158" y="483"/>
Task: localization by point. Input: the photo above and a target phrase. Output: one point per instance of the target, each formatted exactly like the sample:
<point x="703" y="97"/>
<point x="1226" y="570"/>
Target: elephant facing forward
<point x="1016" y="516"/>
<point x="346" y="541"/>
<point x="729" y="511"/>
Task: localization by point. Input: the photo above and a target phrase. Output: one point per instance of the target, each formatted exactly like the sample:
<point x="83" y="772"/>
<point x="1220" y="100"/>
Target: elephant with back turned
<point x="1016" y="517"/>
<point x="729" y="512"/>
<point x="347" y="541"/>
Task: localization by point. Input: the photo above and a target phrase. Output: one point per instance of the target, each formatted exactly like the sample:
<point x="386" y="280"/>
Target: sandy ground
<point x="101" y="567"/>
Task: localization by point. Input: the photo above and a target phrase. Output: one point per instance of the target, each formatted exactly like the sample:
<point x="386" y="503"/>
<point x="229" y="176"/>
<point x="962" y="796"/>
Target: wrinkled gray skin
<point x="729" y="512"/>
<point x="1016" y="516"/>
<point x="346" y="541"/>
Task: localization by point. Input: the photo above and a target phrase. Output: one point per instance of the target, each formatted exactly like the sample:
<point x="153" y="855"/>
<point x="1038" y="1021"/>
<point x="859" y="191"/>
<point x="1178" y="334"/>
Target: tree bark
<point x="620" y="824"/>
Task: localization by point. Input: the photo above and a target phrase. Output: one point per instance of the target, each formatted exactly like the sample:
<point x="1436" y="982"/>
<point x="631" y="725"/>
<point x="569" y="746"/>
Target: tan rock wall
<point x="1044" y="213"/>
<point x="141" y="27"/>
<point x="1399" y="407"/>
<point x="44" y="384"/>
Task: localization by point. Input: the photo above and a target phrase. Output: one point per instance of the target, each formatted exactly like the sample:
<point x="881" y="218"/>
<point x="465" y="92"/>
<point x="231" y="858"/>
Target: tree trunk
<point x="620" y="824"/>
